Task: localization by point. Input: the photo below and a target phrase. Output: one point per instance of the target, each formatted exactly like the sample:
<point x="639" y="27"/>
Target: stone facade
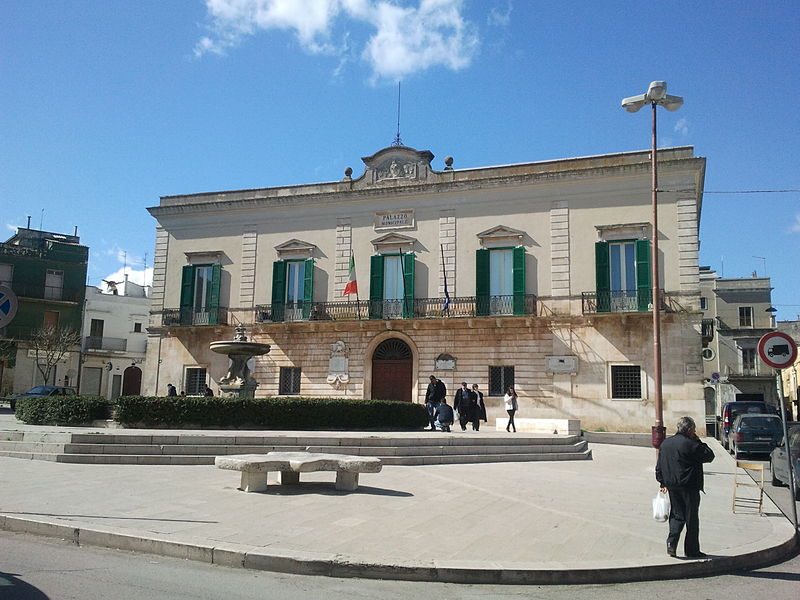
<point x="548" y="221"/>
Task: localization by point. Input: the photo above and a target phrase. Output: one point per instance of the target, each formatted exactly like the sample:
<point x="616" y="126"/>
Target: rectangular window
<point x="295" y="290"/>
<point x="6" y="274"/>
<point x="748" y="361"/>
<point x="703" y="303"/>
<point x="745" y="316"/>
<point x="622" y="272"/>
<point x="626" y="381"/>
<point x="289" y="381"/>
<point x="195" y="381"/>
<point x="501" y="281"/>
<point x="53" y="284"/>
<point x="391" y="286"/>
<point x="96" y="328"/>
<point x="500" y="379"/>
<point x="50" y="320"/>
<point x="90" y="382"/>
<point x="137" y="328"/>
<point x="623" y="276"/>
<point x="200" y="294"/>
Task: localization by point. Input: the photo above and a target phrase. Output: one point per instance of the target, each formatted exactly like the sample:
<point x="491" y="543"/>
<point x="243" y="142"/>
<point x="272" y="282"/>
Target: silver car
<point x="778" y="464"/>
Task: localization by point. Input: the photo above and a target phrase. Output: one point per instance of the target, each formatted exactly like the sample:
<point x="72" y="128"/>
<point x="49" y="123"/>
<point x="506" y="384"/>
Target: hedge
<point x="268" y="413"/>
<point x="62" y="410"/>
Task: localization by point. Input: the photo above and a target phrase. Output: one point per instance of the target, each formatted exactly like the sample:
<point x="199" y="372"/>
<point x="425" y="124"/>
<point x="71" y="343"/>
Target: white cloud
<point x="682" y="126"/>
<point x="406" y="38"/>
<point x="500" y="17"/>
<point x="796" y="224"/>
<point x="140" y="276"/>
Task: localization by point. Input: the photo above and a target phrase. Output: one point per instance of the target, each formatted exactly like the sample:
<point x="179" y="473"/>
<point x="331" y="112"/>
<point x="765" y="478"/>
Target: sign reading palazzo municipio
<point x="391" y="219"/>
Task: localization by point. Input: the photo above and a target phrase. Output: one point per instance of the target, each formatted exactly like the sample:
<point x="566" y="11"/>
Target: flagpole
<point x="446" y="305"/>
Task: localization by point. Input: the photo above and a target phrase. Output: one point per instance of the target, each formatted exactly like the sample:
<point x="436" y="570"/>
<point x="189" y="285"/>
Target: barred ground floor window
<point x="626" y="381"/>
<point x="195" y="381"/>
<point x="500" y="379"/>
<point x="289" y="382"/>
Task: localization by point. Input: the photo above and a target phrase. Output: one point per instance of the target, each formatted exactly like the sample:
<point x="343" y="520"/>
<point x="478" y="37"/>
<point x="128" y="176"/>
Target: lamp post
<point x="656" y="95"/>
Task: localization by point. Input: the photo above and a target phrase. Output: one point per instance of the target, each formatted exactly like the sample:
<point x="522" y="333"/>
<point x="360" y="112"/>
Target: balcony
<point x="707" y="329"/>
<point x="189" y="316"/>
<point x="94" y="342"/>
<point x="47" y="292"/>
<point x="419" y="308"/>
<point x="626" y="301"/>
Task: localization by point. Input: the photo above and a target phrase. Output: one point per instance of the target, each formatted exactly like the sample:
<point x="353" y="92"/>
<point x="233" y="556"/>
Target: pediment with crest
<point x="397" y="165"/>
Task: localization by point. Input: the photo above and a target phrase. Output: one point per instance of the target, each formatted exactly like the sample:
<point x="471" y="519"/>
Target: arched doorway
<point x="392" y="371"/>
<point x="132" y="381"/>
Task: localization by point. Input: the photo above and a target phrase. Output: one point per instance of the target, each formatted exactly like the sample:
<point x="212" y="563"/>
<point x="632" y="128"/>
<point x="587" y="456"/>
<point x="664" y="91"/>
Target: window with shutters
<point x="500" y="281"/>
<point x="200" y="294"/>
<point x="391" y="290"/>
<point x="500" y="379"/>
<point x="289" y="381"/>
<point x="292" y="289"/>
<point x="623" y="276"/>
<point x="745" y="316"/>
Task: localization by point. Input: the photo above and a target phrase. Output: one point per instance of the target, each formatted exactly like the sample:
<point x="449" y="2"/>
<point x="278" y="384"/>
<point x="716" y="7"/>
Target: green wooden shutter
<point x="213" y="295"/>
<point x="187" y="294"/>
<point x="278" y="290"/>
<point x="376" y="287"/>
<point x="482" y="281"/>
<point x="308" y="286"/>
<point x="518" y="278"/>
<point x="602" y="276"/>
<point x="408" y="285"/>
<point x="643" y="280"/>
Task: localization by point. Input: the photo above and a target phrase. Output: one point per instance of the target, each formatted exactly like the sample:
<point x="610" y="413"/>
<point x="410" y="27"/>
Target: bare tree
<point x="50" y="345"/>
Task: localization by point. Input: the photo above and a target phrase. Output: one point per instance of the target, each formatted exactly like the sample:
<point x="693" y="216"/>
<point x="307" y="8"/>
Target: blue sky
<point x="105" y="105"/>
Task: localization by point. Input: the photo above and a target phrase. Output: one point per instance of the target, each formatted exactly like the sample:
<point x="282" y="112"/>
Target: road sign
<point x="777" y="349"/>
<point x="8" y="305"/>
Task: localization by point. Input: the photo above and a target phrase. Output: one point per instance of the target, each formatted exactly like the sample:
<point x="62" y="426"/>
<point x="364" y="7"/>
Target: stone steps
<point x="199" y="449"/>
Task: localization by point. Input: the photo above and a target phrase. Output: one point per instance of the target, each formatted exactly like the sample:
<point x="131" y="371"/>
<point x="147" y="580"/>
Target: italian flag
<point x="352" y="283"/>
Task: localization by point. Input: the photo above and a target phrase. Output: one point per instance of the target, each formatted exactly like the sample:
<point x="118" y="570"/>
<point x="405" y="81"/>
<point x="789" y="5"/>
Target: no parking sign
<point x="8" y="305"/>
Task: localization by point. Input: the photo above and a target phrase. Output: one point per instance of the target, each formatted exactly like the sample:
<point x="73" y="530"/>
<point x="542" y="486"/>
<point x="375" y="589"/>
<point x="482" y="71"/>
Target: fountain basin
<point x="239" y="348"/>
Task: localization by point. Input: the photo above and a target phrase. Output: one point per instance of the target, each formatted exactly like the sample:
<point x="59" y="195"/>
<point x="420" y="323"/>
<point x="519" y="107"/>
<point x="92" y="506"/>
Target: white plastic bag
<point x="661" y="507"/>
<point x="456" y="416"/>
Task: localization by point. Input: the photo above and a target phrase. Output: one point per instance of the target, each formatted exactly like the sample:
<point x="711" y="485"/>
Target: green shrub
<point x="62" y="410"/>
<point x="269" y="413"/>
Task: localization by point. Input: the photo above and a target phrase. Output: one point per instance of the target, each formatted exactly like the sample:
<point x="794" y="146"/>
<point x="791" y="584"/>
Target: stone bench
<point x="255" y="467"/>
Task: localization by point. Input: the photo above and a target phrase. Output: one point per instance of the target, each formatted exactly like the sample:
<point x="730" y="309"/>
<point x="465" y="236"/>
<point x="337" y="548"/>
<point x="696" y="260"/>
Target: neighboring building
<point x="791" y="375"/>
<point x="736" y="313"/>
<point x="115" y="339"/>
<point x="47" y="273"/>
<point x="546" y="265"/>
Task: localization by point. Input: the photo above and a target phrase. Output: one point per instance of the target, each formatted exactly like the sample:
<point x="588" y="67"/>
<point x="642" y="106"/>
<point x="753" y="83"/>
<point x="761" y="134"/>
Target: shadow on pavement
<point x="12" y="588"/>
<point x="327" y="489"/>
<point x="39" y="514"/>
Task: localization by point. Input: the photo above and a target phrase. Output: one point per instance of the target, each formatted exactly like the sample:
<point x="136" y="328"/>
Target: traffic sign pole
<point x="779" y="350"/>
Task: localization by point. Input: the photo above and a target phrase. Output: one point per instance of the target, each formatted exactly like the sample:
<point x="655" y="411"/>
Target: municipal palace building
<point x="535" y="275"/>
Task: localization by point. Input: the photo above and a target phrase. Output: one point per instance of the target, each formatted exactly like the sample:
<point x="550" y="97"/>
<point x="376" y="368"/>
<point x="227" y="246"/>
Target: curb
<point x="332" y="565"/>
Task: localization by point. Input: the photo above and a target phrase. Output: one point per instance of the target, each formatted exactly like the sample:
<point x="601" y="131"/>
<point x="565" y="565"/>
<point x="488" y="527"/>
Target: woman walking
<point x="510" y="400"/>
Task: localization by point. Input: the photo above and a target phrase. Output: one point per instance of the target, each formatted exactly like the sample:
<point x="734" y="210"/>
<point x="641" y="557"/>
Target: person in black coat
<point x="464" y="403"/>
<point x="479" y="414"/>
<point x="444" y="415"/>
<point x="435" y="393"/>
<point x="679" y="470"/>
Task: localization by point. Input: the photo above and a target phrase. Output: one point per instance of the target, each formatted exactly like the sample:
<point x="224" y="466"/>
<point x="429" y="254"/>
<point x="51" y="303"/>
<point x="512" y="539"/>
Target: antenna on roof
<point x="397" y="141"/>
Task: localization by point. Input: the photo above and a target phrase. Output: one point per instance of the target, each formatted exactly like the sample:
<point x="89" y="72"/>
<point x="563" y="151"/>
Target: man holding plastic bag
<point x="679" y="470"/>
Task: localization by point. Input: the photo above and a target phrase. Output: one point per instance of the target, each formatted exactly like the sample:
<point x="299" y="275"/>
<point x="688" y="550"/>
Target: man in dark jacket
<point x="679" y="470"/>
<point x="435" y="393"/>
<point x="464" y="403"/>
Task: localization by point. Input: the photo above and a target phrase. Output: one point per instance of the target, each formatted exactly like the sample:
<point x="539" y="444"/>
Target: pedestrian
<point x="479" y="414"/>
<point x="510" y="401"/>
<point x="435" y="393"/>
<point x="208" y="392"/>
<point x="464" y="403"/>
<point x="679" y="470"/>
<point x="443" y="416"/>
<point x="171" y="391"/>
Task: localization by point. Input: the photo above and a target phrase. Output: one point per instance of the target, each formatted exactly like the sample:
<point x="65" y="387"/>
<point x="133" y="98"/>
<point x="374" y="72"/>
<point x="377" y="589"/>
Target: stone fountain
<point x="238" y="382"/>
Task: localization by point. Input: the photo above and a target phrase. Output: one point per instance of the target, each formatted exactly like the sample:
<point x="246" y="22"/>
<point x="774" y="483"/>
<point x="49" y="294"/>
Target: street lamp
<point x="656" y="95"/>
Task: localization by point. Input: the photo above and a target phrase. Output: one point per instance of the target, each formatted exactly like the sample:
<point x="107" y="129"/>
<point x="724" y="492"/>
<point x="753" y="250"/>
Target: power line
<point x="753" y="192"/>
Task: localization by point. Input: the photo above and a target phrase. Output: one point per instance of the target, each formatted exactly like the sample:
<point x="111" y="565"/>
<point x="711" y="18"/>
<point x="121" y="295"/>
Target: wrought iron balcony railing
<point x="94" y="342"/>
<point x="707" y="330"/>
<point x="624" y="301"/>
<point x="189" y="316"/>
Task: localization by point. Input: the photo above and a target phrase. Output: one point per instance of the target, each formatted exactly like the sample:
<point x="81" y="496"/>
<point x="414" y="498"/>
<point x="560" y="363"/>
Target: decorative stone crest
<point x="338" y="367"/>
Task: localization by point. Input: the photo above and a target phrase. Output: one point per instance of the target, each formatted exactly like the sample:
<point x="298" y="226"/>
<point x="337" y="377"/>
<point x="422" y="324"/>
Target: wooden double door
<point x="392" y="371"/>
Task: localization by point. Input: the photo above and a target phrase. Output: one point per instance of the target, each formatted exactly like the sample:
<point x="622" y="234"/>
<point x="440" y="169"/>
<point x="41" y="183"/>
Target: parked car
<point x="40" y="391"/>
<point x="732" y="409"/>
<point x="778" y="464"/>
<point x="755" y="434"/>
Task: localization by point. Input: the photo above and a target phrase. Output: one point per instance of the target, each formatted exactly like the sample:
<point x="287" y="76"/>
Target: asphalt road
<point x="38" y="568"/>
